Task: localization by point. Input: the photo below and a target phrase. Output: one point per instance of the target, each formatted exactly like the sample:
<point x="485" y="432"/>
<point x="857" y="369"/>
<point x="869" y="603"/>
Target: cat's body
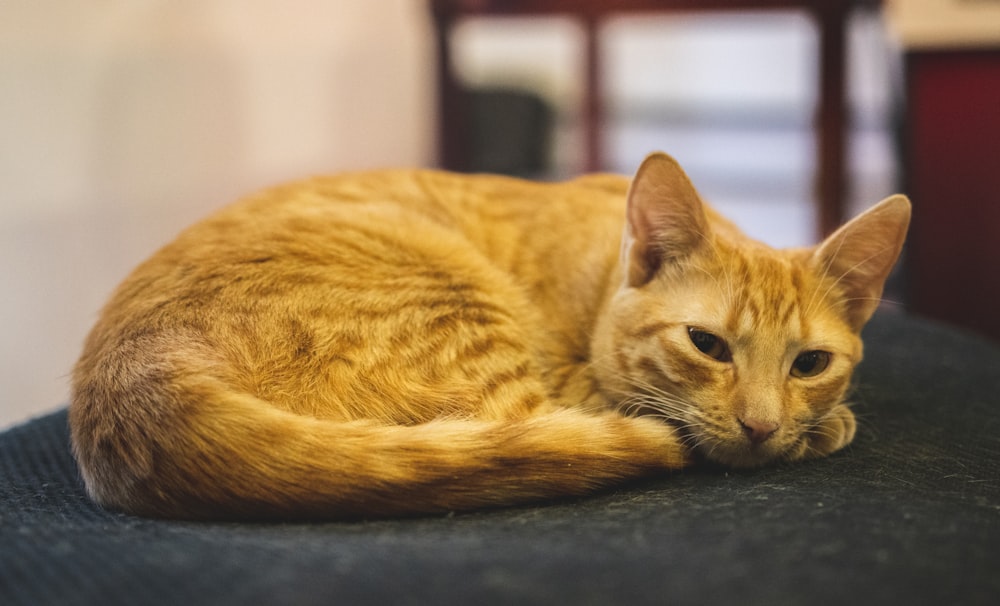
<point x="392" y="343"/>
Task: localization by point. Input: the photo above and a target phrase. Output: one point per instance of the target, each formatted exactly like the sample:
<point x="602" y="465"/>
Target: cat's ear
<point x="860" y="255"/>
<point x="665" y="219"/>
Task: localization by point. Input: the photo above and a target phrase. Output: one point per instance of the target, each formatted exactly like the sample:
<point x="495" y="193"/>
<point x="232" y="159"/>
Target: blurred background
<point x="125" y="120"/>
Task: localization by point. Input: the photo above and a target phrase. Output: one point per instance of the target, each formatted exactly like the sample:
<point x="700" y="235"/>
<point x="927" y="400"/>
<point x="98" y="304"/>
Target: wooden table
<point x="831" y="19"/>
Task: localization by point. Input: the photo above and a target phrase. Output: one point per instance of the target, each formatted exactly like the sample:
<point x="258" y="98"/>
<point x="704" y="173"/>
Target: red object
<point x="953" y="177"/>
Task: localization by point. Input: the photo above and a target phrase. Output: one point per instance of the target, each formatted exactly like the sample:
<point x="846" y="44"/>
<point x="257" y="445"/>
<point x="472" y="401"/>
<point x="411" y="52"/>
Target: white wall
<point x="123" y="121"/>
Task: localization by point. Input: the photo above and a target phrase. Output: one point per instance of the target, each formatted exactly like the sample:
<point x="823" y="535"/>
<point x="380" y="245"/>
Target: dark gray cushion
<point x="910" y="513"/>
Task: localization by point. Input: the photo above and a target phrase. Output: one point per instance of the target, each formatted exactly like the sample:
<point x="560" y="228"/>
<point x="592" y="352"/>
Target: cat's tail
<point x="215" y="453"/>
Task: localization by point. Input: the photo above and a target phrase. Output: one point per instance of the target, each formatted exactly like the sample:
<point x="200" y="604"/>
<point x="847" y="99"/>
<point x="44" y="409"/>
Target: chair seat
<point x="910" y="513"/>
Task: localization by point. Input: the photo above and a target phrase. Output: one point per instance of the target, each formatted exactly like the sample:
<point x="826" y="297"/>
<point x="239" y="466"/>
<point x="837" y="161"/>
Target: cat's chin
<point x="730" y="452"/>
<point x="738" y="456"/>
<point x="722" y="452"/>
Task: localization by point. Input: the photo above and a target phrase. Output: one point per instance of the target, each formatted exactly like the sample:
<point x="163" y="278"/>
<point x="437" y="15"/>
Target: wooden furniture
<point x="830" y="15"/>
<point x="952" y="162"/>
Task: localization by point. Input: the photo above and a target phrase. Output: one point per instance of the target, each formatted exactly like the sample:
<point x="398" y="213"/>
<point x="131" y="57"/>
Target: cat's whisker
<point x="654" y="401"/>
<point x="876" y="300"/>
<point x="636" y="403"/>
<point x="674" y="409"/>
<point x="821" y="430"/>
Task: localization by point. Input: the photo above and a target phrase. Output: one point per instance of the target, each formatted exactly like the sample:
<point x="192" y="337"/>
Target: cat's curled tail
<point x="167" y="443"/>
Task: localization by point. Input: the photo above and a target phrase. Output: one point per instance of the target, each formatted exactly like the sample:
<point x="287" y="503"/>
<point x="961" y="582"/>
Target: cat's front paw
<point x="831" y="433"/>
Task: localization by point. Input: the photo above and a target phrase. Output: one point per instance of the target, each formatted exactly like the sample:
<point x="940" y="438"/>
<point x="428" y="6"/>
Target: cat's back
<point x="377" y="217"/>
<point x="357" y="288"/>
<point x="361" y="240"/>
<point x="398" y="198"/>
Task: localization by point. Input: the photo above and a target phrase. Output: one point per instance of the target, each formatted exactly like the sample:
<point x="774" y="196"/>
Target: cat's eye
<point x="810" y="363"/>
<point x="710" y="345"/>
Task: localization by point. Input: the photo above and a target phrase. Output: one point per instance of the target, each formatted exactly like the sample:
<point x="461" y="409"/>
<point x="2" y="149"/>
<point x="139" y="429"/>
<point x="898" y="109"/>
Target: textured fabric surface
<point x="910" y="513"/>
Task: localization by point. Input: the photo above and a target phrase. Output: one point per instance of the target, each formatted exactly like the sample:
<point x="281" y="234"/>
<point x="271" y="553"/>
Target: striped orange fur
<point x="406" y="342"/>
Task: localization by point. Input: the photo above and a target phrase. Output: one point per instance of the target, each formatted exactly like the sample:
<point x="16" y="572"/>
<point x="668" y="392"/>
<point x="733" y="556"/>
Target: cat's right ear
<point x="860" y="255"/>
<point x="665" y="219"/>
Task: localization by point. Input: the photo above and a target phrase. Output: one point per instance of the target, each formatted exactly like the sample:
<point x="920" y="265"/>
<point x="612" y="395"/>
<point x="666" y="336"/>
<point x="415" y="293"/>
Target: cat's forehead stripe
<point x="766" y="293"/>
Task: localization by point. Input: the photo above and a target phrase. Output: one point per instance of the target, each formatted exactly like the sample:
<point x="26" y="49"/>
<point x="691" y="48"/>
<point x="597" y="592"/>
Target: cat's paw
<point x="831" y="433"/>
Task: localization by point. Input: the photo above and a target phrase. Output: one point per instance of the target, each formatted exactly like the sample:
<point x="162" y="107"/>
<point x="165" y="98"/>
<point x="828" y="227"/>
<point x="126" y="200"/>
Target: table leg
<point x="592" y="99"/>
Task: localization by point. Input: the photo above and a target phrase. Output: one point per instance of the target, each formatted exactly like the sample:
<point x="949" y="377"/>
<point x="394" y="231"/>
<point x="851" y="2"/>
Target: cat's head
<point x="741" y="347"/>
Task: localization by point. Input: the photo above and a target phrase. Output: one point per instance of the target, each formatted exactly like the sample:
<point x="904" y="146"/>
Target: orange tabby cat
<point x="393" y="343"/>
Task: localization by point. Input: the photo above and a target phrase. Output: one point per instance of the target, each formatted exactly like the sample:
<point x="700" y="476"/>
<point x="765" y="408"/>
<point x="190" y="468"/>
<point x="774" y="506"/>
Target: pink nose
<point x="758" y="431"/>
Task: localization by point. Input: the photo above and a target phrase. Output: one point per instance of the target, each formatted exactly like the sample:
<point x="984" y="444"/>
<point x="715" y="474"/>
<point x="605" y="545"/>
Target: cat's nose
<point x="758" y="431"/>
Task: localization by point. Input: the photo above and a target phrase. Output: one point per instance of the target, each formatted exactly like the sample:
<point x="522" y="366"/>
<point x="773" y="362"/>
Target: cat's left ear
<point x="665" y="219"/>
<point x="860" y="255"/>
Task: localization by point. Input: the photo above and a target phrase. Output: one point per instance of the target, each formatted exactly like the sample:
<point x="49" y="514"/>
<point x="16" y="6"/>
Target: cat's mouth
<point x="734" y="451"/>
<point x="730" y="451"/>
<point x="738" y="453"/>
